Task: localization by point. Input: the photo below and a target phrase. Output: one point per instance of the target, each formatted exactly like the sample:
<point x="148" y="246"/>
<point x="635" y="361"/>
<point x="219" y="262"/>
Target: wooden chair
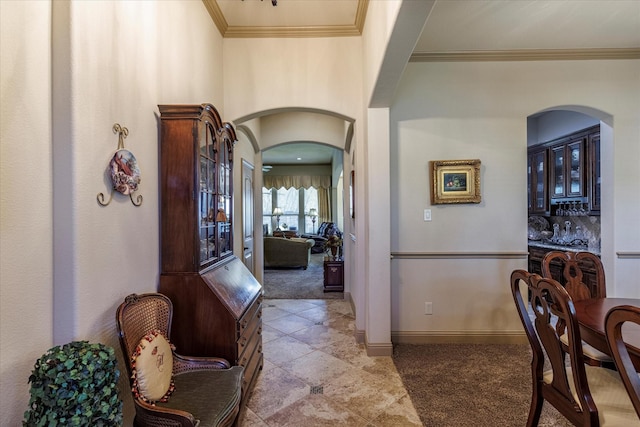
<point x="207" y="390"/>
<point x="572" y="278"/>
<point x="585" y="395"/>
<point x="613" y="327"/>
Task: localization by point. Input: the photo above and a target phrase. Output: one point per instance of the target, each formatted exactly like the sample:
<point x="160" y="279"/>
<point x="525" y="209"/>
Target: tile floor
<point x="315" y="374"/>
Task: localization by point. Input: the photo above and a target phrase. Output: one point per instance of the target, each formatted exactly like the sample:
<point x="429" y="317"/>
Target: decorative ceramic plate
<point x="125" y="174"/>
<point x="537" y="225"/>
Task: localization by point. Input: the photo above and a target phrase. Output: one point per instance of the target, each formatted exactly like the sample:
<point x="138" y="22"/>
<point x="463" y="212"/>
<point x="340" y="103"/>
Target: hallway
<point x="316" y="375"/>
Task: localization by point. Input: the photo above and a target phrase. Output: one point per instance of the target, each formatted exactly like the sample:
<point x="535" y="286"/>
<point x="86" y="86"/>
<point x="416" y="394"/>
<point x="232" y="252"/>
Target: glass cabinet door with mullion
<point x="206" y="201"/>
<point x="223" y="196"/>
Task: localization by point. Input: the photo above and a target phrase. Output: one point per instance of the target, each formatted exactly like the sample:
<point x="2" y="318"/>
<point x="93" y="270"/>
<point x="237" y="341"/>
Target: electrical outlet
<point x="428" y="308"/>
<point x="427" y="214"/>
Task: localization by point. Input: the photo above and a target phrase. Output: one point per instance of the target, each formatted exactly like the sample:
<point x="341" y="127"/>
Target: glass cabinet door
<point x="596" y="185"/>
<point x="575" y="170"/>
<point x="206" y="199"/>
<point x="530" y="182"/>
<point x="557" y="171"/>
<point x="537" y="180"/>
<point x="223" y="198"/>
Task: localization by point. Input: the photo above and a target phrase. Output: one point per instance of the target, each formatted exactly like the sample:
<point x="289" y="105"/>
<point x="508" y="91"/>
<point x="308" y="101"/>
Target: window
<point x="310" y="202"/>
<point x="294" y="203"/>
<point x="289" y="201"/>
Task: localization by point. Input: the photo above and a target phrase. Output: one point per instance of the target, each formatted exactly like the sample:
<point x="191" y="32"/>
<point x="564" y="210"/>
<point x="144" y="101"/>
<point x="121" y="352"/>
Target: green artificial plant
<point x="75" y="385"/>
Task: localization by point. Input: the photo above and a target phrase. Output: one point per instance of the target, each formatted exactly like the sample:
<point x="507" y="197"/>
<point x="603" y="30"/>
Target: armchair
<point x="169" y="389"/>
<point x="325" y="230"/>
<point x="281" y="252"/>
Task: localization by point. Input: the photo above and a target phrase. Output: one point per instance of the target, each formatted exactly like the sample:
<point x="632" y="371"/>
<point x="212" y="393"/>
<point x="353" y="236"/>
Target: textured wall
<point x="113" y="62"/>
<point x="26" y="278"/>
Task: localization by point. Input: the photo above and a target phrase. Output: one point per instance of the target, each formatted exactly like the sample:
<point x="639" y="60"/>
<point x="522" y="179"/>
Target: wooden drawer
<point x="252" y="365"/>
<point x="255" y="311"/>
<point x="249" y="341"/>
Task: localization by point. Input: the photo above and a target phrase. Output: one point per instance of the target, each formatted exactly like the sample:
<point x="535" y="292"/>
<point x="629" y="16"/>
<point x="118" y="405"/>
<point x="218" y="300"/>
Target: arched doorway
<point x="554" y="122"/>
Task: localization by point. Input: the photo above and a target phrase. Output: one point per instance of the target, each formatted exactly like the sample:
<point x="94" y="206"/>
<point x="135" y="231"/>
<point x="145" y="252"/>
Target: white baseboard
<point x="379" y="349"/>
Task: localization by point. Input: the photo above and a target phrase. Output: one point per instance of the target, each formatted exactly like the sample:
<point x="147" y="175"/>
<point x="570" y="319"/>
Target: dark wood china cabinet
<point x="217" y="301"/>
<point x="565" y="173"/>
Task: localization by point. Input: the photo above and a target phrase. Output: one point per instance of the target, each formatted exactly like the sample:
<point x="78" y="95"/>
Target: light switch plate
<point x="427" y="214"/>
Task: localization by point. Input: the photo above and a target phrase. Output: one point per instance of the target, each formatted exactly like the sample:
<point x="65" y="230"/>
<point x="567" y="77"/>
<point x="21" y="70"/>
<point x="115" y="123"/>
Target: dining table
<point x="591" y="313"/>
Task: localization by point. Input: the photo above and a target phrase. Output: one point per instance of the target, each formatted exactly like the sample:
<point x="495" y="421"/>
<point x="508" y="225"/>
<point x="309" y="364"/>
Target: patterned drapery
<point x="297" y="181"/>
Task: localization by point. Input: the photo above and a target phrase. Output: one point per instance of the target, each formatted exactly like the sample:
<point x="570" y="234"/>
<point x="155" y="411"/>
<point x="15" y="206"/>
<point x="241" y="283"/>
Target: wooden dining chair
<point x="586" y="395"/>
<point x="616" y="317"/>
<point x="572" y="266"/>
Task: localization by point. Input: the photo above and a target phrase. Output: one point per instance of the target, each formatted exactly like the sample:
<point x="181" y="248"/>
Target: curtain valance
<point x="296" y="181"/>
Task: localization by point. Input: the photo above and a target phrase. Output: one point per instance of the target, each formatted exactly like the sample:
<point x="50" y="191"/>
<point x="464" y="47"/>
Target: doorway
<point x="555" y="122"/>
<point x="300" y="196"/>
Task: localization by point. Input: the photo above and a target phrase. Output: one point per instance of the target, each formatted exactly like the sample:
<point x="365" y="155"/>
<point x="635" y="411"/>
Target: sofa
<point x="325" y="230"/>
<point x="282" y="252"/>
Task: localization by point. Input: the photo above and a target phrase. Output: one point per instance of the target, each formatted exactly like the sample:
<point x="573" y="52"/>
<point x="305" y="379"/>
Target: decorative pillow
<point x="152" y="364"/>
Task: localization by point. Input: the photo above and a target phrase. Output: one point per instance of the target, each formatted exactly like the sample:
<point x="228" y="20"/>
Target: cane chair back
<point x="140" y="314"/>
<point x="616" y="317"/>
<point x="572" y="387"/>
<point x="207" y="389"/>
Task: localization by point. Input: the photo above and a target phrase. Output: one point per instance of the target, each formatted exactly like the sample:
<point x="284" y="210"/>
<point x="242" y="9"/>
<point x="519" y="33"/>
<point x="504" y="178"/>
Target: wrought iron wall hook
<point x="122" y="132"/>
<point x="125" y="174"/>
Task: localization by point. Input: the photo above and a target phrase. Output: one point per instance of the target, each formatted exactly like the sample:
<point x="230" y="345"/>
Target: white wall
<point x="448" y="111"/>
<point x="265" y="74"/>
<point x="26" y="278"/>
<point x="123" y="59"/>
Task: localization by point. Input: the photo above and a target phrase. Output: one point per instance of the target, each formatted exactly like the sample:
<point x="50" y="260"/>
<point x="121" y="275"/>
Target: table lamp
<point x="313" y="213"/>
<point x="277" y="212"/>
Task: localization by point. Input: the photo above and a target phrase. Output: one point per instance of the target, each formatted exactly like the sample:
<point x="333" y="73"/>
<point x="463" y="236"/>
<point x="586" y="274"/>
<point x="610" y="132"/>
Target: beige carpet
<point x="475" y="385"/>
<point x="296" y="283"/>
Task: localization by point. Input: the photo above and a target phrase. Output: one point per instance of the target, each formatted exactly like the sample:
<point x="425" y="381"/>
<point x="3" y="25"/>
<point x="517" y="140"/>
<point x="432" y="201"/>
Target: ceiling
<point x="298" y="153"/>
<point x="455" y="30"/>
<point x="452" y="26"/>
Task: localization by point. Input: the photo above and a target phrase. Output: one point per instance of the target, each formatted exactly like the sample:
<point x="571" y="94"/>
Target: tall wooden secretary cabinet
<point x="217" y="301"/>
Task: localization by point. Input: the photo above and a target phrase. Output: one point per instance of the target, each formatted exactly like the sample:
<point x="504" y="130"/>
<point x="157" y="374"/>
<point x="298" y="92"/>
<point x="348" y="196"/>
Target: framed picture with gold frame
<point x="455" y="181"/>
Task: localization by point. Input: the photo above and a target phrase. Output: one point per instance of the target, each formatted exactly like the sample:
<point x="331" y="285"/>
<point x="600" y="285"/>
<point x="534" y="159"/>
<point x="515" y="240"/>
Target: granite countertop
<point x="549" y="245"/>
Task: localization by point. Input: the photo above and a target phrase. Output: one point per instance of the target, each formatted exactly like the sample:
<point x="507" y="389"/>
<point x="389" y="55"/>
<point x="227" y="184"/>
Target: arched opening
<point x="552" y="124"/>
<point x="293" y="149"/>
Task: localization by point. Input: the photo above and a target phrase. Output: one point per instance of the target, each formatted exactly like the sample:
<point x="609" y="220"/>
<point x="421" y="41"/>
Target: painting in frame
<point x="455" y="181"/>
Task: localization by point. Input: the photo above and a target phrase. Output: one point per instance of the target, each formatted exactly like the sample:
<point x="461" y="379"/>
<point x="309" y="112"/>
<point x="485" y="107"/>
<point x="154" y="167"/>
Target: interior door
<point x="247" y="215"/>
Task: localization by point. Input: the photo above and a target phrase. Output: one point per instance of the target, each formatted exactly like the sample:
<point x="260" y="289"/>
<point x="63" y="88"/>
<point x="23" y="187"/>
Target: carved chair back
<point x="616" y="317"/>
<point x="572" y="264"/>
<point x="549" y="303"/>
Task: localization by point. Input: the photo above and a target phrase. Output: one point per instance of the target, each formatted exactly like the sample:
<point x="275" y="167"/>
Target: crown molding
<point x="216" y="15"/>
<point x="275" y="32"/>
<point x="527" y="55"/>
